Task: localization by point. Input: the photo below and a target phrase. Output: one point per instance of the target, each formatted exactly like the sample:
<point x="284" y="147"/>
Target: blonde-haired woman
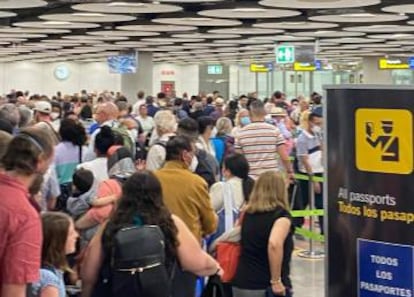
<point x="242" y="120"/>
<point x="266" y="241"/>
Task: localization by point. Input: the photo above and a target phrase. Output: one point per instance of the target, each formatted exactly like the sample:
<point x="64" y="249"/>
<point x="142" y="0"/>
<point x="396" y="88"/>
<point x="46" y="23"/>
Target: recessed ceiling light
<point x="88" y="14"/>
<point x="248" y="10"/>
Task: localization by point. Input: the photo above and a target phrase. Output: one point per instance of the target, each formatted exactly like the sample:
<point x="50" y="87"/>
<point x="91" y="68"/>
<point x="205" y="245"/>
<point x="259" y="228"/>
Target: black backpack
<point x="136" y="266"/>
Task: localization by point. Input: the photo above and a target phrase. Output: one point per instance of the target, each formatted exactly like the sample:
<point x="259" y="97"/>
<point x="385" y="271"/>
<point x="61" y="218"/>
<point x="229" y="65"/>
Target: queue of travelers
<point x="105" y="196"/>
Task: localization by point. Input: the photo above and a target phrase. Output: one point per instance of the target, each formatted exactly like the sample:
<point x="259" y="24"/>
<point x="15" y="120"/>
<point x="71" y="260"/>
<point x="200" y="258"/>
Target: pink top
<point x="106" y="188"/>
<point x="20" y="234"/>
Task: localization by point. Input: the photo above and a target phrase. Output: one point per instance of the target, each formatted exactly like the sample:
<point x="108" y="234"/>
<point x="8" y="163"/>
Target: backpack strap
<point x="228" y="204"/>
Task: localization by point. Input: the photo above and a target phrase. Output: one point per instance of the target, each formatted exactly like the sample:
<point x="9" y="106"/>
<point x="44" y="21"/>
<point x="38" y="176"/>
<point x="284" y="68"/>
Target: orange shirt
<point x="106" y="188"/>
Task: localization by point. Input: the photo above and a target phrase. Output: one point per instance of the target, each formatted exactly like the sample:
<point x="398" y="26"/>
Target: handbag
<point x="228" y="254"/>
<point x="214" y="287"/>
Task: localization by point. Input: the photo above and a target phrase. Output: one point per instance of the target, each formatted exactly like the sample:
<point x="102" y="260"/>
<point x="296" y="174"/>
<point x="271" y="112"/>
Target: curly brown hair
<point x="142" y="199"/>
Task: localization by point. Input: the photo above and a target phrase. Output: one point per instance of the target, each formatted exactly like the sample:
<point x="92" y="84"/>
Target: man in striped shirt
<point x="261" y="143"/>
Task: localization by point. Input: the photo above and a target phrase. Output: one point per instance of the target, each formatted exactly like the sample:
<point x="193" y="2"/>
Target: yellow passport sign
<point x="392" y="64"/>
<point x="384" y="140"/>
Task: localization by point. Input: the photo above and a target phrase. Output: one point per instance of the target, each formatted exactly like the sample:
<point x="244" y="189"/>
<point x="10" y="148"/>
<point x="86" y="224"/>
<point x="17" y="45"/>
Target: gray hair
<point x="26" y="116"/>
<point x="165" y="121"/>
<point x="10" y="113"/>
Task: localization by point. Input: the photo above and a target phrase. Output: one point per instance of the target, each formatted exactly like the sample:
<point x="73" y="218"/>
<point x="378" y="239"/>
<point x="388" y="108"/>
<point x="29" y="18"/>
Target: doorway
<point x="168" y="87"/>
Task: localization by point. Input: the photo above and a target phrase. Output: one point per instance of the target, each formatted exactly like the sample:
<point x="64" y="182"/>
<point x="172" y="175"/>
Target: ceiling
<point x="189" y="31"/>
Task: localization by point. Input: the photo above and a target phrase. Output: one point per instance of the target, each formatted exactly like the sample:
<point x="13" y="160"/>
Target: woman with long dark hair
<point x="142" y="204"/>
<point x="236" y="174"/>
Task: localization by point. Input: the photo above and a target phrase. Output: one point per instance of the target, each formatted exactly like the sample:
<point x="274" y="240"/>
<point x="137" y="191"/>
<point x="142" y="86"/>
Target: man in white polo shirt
<point x="309" y="154"/>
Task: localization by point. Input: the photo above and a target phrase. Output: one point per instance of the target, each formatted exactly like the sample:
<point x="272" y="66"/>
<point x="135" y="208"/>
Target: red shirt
<point x="20" y="235"/>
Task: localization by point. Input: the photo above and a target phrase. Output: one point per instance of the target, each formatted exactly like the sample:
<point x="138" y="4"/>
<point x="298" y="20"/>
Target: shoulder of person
<point x="49" y="276"/>
<point x="216" y="187"/>
<point x="282" y="213"/>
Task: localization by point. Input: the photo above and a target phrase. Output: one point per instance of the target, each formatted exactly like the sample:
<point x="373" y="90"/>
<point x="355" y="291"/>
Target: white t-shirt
<point x="99" y="168"/>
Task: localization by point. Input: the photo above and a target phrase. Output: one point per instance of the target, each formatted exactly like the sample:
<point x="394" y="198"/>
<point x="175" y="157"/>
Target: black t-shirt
<point x="253" y="272"/>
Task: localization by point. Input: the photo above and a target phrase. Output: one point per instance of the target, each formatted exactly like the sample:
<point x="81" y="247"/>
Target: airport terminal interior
<point x="216" y="62"/>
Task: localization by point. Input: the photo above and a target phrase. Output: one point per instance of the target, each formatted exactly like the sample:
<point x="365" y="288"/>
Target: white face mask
<point x="316" y="129"/>
<point x="194" y="164"/>
<point x="214" y="132"/>
<point x="54" y="115"/>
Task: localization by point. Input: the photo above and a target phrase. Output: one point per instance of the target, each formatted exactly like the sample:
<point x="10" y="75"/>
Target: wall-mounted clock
<point x="62" y="72"/>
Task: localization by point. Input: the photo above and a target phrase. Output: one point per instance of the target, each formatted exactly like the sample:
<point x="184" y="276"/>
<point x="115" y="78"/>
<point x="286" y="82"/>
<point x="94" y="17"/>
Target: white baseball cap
<point x="43" y="107"/>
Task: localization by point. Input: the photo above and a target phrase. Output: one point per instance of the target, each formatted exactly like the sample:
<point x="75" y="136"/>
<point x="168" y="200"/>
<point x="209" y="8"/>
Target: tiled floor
<point x="307" y="274"/>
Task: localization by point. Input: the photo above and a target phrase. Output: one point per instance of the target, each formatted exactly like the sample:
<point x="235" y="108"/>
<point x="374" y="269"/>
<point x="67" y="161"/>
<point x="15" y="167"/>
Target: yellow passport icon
<point x="384" y="140"/>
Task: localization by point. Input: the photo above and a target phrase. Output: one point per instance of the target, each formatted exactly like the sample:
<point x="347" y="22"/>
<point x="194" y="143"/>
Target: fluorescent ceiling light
<point x="358" y="15"/>
<point x="88" y="14"/>
<point x="247" y="10"/>
<point x="56" y="23"/>
<point x="401" y="35"/>
<point x="322" y="32"/>
<point x="197" y="19"/>
<point x="125" y="4"/>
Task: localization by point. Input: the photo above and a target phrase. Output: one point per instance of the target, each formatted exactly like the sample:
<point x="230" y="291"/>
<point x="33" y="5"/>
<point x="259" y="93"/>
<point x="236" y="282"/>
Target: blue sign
<point x="318" y="64"/>
<point x="269" y="66"/>
<point x="384" y="269"/>
<point x="411" y="62"/>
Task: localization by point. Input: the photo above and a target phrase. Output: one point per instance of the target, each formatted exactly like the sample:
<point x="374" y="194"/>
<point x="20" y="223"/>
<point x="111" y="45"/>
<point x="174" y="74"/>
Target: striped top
<point x="259" y="143"/>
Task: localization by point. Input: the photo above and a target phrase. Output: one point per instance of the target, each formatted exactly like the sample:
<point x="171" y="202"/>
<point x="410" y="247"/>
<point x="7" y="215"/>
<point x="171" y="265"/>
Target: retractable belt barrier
<point x="311" y="213"/>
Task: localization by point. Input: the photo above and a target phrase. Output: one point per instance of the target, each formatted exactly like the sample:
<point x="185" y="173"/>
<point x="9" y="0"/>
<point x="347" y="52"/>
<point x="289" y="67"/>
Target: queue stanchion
<point x="312" y="253"/>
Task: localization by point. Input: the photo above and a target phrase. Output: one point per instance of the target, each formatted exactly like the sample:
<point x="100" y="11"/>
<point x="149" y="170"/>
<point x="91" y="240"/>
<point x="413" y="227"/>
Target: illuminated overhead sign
<point x="396" y="63"/>
<point x="261" y="67"/>
<point x="304" y="66"/>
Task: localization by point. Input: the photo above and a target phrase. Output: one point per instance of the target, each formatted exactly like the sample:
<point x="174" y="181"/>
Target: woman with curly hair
<point x="142" y="204"/>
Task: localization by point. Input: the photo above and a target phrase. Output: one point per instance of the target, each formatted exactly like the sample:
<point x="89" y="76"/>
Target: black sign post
<point x="369" y="191"/>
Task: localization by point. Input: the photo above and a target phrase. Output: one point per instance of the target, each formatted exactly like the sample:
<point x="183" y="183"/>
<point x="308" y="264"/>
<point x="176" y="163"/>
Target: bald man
<point x="106" y="114"/>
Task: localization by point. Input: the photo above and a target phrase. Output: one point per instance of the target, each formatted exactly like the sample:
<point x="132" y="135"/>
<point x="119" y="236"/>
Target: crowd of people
<point x="93" y="182"/>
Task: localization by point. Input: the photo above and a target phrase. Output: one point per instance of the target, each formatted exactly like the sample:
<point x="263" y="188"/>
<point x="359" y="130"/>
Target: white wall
<point x="186" y="77"/>
<point x="39" y="77"/>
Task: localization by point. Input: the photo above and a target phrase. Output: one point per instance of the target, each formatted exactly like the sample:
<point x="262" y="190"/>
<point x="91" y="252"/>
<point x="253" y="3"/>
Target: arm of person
<point x="308" y="167"/>
<point x="234" y="235"/>
<point x="11" y="290"/>
<point x="216" y="194"/>
<point x="190" y="254"/>
<point x="49" y="291"/>
<point x="92" y="263"/>
<point x="208" y="217"/>
<point x="102" y="201"/>
<point x="85" y="222"/>
<point x="279" y="232"/>
<point x="21" y="258"/>
<point x="281" y="150"/>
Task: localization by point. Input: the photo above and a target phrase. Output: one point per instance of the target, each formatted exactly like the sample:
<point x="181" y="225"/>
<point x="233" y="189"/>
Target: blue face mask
<point x="245" y="121"/>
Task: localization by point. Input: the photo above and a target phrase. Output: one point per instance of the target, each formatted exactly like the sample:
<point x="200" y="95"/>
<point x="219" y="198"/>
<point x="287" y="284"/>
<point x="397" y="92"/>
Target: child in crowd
<point x="85" y="187"/>
<point x="59" y="240"/>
